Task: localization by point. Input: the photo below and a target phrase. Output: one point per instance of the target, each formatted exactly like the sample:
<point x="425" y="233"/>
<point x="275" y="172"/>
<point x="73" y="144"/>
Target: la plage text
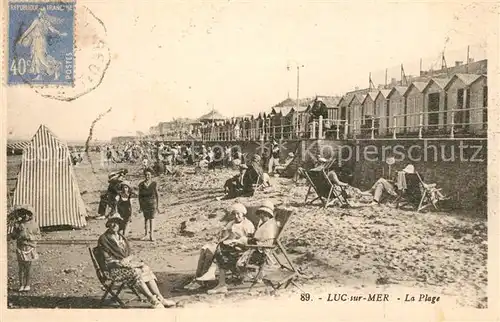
<point x="376" y="297"/>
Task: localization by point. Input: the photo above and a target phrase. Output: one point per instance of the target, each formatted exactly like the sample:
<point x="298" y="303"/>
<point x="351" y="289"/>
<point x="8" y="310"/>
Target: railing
<point x="447" y="123"/>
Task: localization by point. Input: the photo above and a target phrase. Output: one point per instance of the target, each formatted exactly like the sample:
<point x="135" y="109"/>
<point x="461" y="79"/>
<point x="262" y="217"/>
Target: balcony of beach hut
<point x="467" y="101"/>
<point x="435" y="105"/>
<point x="414" y="106"/>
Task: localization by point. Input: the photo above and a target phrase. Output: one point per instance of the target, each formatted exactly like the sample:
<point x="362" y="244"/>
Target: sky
<point x="178" y="59"/>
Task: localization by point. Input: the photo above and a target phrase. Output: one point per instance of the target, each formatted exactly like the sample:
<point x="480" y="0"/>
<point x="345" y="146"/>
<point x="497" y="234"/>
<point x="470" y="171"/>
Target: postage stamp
<point x="41" y="43"/>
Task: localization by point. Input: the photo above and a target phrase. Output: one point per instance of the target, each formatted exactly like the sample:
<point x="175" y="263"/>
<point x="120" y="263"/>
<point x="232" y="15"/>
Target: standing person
<point x="275" y="157"/>
<point x="26" y="233"/>
<point x="123" y="205"/>
<point x="148" y="201"/>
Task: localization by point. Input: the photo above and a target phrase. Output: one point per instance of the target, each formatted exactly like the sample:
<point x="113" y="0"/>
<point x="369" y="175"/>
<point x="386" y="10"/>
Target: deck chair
<point x="111" y="288"/>
<point x="419" y="193"/>
<point x="326" y="191"/>
<point x="282" y="216"/>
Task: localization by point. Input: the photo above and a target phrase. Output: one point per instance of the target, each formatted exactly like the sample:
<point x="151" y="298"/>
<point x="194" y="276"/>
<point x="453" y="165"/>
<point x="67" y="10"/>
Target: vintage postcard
<point x="274" y="161"/>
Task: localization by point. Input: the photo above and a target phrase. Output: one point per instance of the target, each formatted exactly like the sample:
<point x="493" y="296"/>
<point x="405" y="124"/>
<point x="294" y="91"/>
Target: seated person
<point x="234" y="186"/>
<point x="253" y="175"/>
<point x="122" y="265"/>
<point x="265" y="235"/>
<point x="280" y="168"/>
<point x="388" y="186"/>
<point x="232" y="239"/>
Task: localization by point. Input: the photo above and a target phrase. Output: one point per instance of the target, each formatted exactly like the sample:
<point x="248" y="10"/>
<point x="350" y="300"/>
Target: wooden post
<point x="394" y="126"/>
<point x="373" y="128"/>
<point x="452" y="131"/>
<point x="281" y="128"/>
<point x="320" y="127"/>
<point x="421" y="125"/>
<point x="346" y="129"/>
<point x="313" y="130"/>
<point x="338" y="130"/>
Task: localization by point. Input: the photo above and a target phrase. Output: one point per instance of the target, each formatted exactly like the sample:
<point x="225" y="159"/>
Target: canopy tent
<point x="212" y="116"/>
<point x="47" y="182"/>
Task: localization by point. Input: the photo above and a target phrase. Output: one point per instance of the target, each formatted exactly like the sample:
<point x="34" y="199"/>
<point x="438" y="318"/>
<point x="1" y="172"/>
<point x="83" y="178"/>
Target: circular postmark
<point x="90" y="60"/>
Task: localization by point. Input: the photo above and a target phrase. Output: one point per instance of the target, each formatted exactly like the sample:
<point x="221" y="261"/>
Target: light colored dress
<point x="26" y="234"/>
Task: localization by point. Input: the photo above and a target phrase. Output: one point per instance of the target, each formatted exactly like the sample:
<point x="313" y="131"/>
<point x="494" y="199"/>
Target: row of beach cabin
<point x="440" y="106"/>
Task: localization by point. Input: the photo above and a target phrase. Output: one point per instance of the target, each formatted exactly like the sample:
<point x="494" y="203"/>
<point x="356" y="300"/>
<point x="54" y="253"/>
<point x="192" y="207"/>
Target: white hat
<point x="321" y="159"/>
<point x="238" y="207"/>
<point x="267" y="206"/>
<point x="409" y="169"/>
<point x="290" y="154"/>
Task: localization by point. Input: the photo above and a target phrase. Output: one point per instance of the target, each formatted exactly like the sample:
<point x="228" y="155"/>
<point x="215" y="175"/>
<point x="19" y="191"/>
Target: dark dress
<point x="124" y="208"/>
<point x="148" y="198"/>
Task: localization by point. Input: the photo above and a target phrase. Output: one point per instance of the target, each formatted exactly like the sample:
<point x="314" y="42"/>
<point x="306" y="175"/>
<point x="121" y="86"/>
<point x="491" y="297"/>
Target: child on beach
<point x="26" y="232"/>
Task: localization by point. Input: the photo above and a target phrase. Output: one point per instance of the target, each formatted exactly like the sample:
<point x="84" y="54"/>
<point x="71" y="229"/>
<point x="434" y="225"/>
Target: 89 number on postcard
<point x="41" y="43"/>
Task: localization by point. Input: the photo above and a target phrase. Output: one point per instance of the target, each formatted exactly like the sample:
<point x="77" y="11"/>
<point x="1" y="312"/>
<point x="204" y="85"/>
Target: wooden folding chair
<point x="282" y="216"/>
<point x="326" y="191"/>
<point x="111" y="288"/>
<point x="418" y="193"/>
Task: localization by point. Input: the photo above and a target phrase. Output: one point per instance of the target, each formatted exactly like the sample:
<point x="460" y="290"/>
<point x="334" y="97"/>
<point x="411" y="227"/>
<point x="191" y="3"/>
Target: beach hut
<point x="47" y="182"/>
<point x="382" y="110"/>
<point x="467" y="95"/>
<point x="396" y="102"/>
<point x="414" y="96"/>
<point x="354" y="113"/>
<point x="435" y="104"/>
<point x="342" y="106"/>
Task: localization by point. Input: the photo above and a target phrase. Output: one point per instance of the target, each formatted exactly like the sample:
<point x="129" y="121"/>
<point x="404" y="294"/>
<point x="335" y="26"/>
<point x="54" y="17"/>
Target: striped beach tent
<point x="47" y="182"/>
<point x="19" y="145"/>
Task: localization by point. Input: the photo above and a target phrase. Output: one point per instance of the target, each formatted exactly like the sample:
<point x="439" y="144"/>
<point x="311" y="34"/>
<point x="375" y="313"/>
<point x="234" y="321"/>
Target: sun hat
<point x="290" y="154"/>
<point x="22" y="210"/>
<point x="323" y="160"/>
<point x="267" y="206"/>
<point x="409" y="168"/>
<point x="238" y="207"/>
<point x="115" y="218"/>
<point x="125" y="183"/>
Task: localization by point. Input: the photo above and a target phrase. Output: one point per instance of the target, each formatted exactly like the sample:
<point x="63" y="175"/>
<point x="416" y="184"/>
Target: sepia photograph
<point x="271" y="156"/>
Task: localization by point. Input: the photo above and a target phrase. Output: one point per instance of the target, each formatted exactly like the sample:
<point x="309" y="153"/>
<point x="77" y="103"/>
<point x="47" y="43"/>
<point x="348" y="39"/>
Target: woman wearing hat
<point x="122" y="265"/>
<point x="148" y="201"/>
<point x="265" y="235"/>
<point x="231" y="245"/>
<point x="123" y="204"/>
<point x="26" y="232"/>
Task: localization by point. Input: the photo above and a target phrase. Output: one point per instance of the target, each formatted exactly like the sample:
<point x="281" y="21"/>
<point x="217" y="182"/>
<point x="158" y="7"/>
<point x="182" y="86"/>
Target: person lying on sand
<point x="122" y="265"/>
<point x="231" y="240"/>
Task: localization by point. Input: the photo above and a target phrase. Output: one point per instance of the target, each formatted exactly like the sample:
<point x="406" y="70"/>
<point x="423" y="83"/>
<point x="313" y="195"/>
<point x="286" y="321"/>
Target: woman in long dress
<point x="148" y="201"/>
<point x="123" y="266"/>
<point x="35" y="37"/>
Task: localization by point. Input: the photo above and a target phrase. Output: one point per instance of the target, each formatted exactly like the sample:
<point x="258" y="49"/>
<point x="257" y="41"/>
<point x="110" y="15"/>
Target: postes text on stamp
<point x="41" y="43"/>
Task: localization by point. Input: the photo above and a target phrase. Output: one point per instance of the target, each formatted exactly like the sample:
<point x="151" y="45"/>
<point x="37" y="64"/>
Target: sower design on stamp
<point x="41" y="43"/>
